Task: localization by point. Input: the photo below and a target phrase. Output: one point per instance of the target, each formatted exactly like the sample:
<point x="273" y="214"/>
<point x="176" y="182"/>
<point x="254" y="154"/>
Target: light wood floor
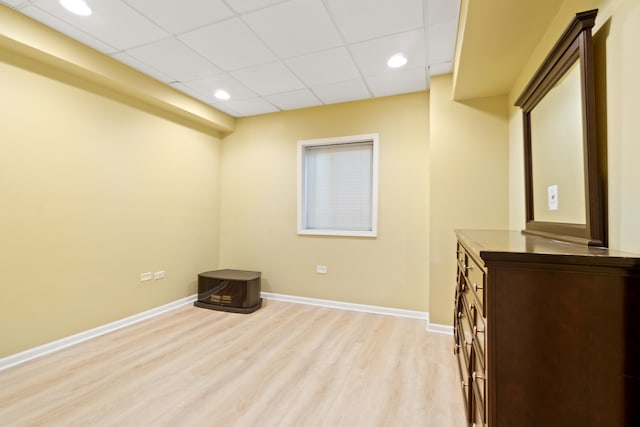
<point x="284" y="365"/>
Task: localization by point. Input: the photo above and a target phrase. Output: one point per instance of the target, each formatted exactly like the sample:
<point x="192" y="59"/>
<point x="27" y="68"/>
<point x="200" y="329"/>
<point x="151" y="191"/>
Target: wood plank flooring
<point x="284" y="365"/>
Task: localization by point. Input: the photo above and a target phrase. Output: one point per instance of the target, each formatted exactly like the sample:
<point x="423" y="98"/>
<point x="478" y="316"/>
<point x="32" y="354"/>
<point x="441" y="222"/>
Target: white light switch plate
<point x="552" y="192"/>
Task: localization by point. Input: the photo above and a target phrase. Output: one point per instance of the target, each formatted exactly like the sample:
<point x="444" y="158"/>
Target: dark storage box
<point x="236" y="291"/>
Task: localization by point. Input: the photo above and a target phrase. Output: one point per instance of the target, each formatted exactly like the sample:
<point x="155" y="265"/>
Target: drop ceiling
<point x="269" y="55"/>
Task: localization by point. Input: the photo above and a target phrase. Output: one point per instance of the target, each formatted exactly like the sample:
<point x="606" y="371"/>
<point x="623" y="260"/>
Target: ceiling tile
<point x="204" y="96"/>
<point x="360" y="20"/>
<point x="142" y="67"/>
<point x="292" y="100"/>
<point x="440" y="68"/>
<point x="229" y="44"/>
<point x="112" y="22"/>
<point x="173" y="58"/>
<point x="399" y="81"/>
<point x="68" y="29"/>
<point x="181" y="16"/>
<point x="207" y="99"/>
<point x="268" y="79"/>
<point x="242" y="6"/>
<point x="371" y="56"/>
<point x="442" y="10"/>
<point x="18" y="4"/>
<point x="295" y="28"/>
<point x="226" y="109"/>
<point x="442" y="41"/>
<point x="251" y="107"/>
<point x="342" y="92"/>
<point x="268" y="54"/>
<point x="329" y="66"/>
<point x="207" y="86"/>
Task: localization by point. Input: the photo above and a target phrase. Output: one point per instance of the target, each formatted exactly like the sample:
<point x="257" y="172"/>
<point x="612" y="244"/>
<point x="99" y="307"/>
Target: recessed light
<point x="396" y="61"/>
<point x="221" y="94"/>
<point x="79" y="7"/>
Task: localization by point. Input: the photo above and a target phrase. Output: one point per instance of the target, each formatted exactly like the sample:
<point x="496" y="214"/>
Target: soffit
<point x="495" y="41"/>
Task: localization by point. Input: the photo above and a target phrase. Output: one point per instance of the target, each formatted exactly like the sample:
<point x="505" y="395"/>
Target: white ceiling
<point x="270" y="55"/>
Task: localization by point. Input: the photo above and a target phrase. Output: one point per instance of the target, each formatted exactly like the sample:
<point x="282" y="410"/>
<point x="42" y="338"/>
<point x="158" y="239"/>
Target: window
<point x="338" y="186"/>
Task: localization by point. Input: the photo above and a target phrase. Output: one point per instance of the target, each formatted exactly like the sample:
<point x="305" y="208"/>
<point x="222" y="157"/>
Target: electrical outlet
<point x="145" y="276"/>
<point x="158" y="275"/>
<point x="321" y="269"/>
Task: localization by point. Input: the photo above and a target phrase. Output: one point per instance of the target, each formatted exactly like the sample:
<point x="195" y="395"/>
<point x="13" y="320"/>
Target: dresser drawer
<point x="469" y="331"/>
<point x="464" y="327"/>
<point x="476" y="280"/>
<point x="475" y="321"/>
<point x="461" y="255"/>
<point x="478" y="392"/>
<point x="479" y="338"/>
<point x="464" y="362"/>
<point x="479" y="419"/>
<point x="469" y="326"/>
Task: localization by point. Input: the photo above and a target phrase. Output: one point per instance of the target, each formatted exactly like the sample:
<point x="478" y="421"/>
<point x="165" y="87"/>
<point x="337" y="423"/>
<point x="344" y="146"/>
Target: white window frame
<point x="354" y="139"/>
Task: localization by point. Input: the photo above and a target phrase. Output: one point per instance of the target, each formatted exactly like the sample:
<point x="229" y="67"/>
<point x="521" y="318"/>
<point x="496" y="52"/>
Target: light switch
<point x="552" y="192"/>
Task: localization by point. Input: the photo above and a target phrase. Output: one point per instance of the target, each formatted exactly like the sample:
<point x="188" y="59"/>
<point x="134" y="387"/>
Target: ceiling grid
<point x="269" y="55"/>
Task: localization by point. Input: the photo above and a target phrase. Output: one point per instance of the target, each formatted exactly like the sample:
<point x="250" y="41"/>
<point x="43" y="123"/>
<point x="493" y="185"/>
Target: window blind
<point x="338" y="184"/>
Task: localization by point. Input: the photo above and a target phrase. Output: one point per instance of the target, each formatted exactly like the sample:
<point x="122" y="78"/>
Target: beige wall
<point x="616" y="35"/>
<point x="93" y="193"/>
<point x="96" y="191"/>
<point x="258" y="211"/>
<point x="469" y="181"/>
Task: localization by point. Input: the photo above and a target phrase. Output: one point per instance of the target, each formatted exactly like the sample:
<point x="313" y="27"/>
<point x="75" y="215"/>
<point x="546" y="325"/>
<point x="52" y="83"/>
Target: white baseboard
<point x="18" y="358"/>
<point x="430" y="327"/>
<point x="440" y="329"/>
<point x="348" y="306"/>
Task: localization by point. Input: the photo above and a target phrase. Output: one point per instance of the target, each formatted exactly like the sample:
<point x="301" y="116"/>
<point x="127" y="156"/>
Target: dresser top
<point x="509" y="245"/>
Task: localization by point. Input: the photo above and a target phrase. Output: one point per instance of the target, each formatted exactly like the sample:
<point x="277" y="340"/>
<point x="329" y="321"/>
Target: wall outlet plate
<point x="321" y="269"/>
<point x="145" y="276"/>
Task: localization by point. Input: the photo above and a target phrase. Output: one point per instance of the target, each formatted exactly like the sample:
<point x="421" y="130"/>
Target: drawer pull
<point x="476" y="287"/>
<point x="476" y="331"/>
<point x="459" y="314"/>
<point x="469" y="267"/>
<point x="476" y="376"/>
<point x="463" y="384"/>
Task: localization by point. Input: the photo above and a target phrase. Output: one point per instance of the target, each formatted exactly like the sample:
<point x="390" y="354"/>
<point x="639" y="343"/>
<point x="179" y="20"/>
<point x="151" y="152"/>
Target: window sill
<point x="338" y="233"/>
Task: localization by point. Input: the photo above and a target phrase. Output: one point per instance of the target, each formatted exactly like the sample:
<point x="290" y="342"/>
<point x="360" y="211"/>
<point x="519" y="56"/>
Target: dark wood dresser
<point x="547" y="333"/>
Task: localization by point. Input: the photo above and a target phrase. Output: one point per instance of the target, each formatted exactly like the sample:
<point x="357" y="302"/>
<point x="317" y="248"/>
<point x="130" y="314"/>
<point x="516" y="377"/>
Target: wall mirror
<point x="562" y="183"/>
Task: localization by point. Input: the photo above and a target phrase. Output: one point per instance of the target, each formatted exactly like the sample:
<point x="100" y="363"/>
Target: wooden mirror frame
<point x="575" y="44"/>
